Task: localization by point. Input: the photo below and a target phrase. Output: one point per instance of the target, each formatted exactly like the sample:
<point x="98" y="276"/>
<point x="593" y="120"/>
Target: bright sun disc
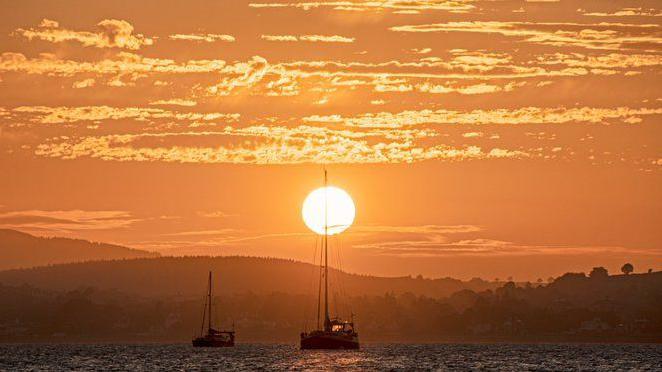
<point x="340" y="214"/>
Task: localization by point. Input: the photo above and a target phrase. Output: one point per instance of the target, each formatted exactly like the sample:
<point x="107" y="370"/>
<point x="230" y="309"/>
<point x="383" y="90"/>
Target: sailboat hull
<point x="205" y="342"/>
<point x="329" y="340"/>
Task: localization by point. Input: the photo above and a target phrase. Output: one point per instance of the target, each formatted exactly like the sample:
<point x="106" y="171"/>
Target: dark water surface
<point x="247" y="357"/>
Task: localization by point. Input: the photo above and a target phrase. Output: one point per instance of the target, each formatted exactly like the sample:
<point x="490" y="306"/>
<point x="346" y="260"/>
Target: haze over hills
<point x="20" y="250"/>
<point x="574" y="307"/>
<point x="186" y="276"/>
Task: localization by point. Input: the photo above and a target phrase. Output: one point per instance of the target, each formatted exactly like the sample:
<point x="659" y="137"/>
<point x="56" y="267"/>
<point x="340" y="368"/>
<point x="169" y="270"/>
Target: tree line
<point x="573" y="307"/>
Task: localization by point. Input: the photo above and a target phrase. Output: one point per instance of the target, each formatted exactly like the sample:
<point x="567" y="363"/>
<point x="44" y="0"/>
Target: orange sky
<point x="478" y="138"/>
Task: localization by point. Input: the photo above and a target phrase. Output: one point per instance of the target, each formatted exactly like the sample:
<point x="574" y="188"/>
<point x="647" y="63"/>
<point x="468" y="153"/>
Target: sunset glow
<point x="481" y="138"/>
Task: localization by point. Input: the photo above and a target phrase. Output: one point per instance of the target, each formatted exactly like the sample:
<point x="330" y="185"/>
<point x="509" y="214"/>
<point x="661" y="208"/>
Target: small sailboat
<point x="213" y="337"/>
<point x="336" y="333"/>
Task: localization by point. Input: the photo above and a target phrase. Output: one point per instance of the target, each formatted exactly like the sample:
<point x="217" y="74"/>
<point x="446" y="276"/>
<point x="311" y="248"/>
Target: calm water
<point x="150" y="357"/>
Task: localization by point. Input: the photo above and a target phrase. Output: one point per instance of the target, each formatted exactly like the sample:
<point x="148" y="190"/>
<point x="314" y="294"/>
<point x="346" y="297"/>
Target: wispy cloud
<point x="527" y="115"/>
<point x="417" y="229"/>
<point x="62" y="114"/>
<point x="215" y="214"/>
<point x="393" y="5"/>
<point x="227" y="231"/>
<point x="123" y="63"/>
<point x="311" y="38"/>
<point x="111" y="33"/>
<point x="174" y="102"/>
<point x="443" y="241"/>
<point x="207" y="38"/>
<point x="208" y="242"/>
<point x="612" y="36"/>
<point x="66" y="220"/>
<point x="625" y="12"/>
<point x="303" y="144"/>
<point x="485" y="247"/>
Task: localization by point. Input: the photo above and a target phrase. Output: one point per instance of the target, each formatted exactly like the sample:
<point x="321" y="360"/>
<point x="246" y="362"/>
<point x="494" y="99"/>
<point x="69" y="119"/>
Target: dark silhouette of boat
<point x="336" y="334"/>
<point x="213" y="337"/>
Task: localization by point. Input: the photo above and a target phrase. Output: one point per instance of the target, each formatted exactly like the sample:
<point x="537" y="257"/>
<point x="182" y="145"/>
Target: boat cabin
<point x="339" y="326"/>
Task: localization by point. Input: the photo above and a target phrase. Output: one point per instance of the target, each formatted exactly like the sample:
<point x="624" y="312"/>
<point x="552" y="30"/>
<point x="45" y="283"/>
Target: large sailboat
<point x="213" y="337"/>
<point x="336" y="333"/>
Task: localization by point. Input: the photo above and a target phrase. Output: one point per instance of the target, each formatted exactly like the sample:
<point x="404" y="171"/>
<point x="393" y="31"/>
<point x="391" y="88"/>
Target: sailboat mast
<point x="327" y="321"/>
<point x="209" y="302"/>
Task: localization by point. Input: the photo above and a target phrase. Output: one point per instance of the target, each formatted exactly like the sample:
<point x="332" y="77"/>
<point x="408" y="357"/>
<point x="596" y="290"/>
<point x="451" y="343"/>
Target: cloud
<point x="397" y="6"/>
<point x="273" y="145"/>
<point x="472" y="134"/>
<point x="204" y="232"/>
<point x="311" y="38"/>
<point x="625" y="12"/>
<point x="603" y="61"/>
<point x="207" y="38"/>
<point x="125" y="63"/>
<point x="421" y="50"/>
<point x="397" y="76"/>
<point x="416" y="229"/>
<point x="199" y="242"/>
<point x="49" y="23"/>
<point x="279" y="37"/>
<point x="66" y="220"/>
<point x="525" y="115"/>
<point x="481" y="88"/>
<point x="435" y="245"/>
<point x="215" y="214"/>
<point x="483" y="247"/>
<point x="454" y="240"/>
<point x="591" y="36"/>
<point x="241" y="75"/>
<point x="63" y="114"/>
<point x="174" y="102"/>
<point x="85" y="83"/>
<point x="489" y="73"/>
<point x="111" y="33"/>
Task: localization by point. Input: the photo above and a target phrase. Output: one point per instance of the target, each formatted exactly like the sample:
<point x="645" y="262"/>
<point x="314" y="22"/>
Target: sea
<point x="371" y="357"/>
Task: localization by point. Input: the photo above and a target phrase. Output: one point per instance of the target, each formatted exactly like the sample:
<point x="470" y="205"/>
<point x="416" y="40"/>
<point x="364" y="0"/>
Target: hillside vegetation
<point x="623" y="308"/>
<point x="186" y="276"/>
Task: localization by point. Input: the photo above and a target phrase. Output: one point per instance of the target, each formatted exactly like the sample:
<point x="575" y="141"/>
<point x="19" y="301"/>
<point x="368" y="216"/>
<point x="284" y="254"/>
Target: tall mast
<point x="209" y="302"/>
<point x="327" y="321"/>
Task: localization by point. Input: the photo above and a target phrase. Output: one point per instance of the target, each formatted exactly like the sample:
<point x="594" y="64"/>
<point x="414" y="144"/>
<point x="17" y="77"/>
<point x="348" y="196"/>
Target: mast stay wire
<point x="341" y="282"/>
<point x="204" y="312"/>
<point x="311" y="284"/>
<point x="335" y="285"/>
<point x="319" y="288"/>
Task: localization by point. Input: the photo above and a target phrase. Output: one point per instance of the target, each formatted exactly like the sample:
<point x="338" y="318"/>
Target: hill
<point x="20" y="250"/>
<point x="186" y="276"/>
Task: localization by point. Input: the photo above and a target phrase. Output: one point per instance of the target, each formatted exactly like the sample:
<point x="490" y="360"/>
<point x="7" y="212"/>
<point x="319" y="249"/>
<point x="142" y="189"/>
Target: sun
<point x="337" y="204"/>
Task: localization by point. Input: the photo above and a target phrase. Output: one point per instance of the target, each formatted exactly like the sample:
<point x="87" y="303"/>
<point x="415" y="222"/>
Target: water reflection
<point x="250" y="357"/>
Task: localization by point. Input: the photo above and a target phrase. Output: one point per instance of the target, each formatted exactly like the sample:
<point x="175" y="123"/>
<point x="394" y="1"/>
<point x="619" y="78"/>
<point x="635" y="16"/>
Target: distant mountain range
<point x="186" y="276"/>
<point x="21" y="250"/>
